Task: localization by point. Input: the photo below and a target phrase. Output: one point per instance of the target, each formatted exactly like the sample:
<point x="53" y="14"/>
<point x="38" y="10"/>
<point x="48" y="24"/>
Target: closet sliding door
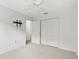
<point x="50" y="32"/>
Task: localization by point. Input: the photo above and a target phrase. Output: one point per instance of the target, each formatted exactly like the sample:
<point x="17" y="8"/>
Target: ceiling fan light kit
<point x="37" y="2"/>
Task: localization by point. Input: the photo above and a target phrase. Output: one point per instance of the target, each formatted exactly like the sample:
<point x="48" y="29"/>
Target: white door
<point x="49" y="32"/>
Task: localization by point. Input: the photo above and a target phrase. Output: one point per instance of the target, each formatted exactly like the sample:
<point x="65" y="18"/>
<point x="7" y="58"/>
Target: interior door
<point x="49" y="32"/>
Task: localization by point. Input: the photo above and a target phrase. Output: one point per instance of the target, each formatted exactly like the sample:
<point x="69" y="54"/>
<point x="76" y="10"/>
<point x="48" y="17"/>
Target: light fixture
<point x="37" y="2"/>
<point x="18" y="23"/>
<point x="45" y="13"/>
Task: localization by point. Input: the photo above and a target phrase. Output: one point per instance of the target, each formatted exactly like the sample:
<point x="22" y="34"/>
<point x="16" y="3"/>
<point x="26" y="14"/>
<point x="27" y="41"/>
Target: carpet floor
<point x="35" y="51"/>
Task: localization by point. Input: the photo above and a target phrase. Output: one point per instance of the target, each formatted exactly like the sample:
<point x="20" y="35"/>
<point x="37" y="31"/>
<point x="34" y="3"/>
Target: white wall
<point x="67" y="30"/>
<point x="36" y="32"/>
<point x="10" y="36"/>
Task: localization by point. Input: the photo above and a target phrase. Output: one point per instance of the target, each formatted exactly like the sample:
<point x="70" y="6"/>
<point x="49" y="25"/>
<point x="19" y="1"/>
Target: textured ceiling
<point x="52" y="7"/>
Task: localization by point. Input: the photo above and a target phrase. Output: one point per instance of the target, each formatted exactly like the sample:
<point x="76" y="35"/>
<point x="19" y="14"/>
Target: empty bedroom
<point x="38" y="29"/>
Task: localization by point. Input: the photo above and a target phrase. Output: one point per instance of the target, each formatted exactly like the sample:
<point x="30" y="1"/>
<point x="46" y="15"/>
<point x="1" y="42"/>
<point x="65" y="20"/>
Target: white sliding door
<point x="49" y="32"/>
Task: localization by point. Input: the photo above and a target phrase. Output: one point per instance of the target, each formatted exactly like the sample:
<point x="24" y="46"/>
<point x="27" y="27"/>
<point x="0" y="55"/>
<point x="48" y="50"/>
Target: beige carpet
<point x="34" y="51"/>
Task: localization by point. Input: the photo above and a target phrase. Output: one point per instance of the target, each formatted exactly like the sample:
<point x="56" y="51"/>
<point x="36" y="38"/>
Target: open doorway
<point x="28" y="31"/>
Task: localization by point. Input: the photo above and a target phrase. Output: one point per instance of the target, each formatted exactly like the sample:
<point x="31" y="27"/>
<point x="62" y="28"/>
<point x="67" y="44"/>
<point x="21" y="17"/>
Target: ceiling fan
<point x="37" y="3"/>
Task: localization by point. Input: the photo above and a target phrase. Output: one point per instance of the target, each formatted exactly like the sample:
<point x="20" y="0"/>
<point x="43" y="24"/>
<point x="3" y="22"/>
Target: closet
<point x="46" y="31"/>
<point x="49" y="32"/>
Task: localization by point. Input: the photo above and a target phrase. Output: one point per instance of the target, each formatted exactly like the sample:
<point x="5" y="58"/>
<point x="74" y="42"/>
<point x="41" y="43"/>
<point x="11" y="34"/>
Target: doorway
<point x="28" y="31"/>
